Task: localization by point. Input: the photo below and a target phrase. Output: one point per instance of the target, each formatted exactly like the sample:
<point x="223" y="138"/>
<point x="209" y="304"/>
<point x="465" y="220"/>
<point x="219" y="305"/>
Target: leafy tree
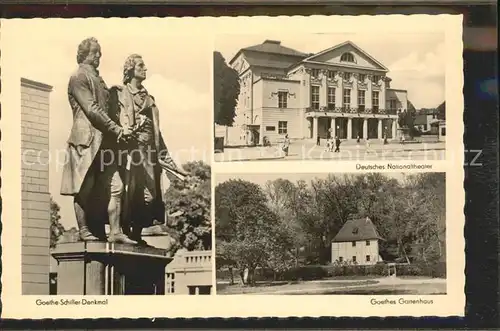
<point x="226" y="91"/>
<point x="192" y="199"/>
<point x="56" y="228"/>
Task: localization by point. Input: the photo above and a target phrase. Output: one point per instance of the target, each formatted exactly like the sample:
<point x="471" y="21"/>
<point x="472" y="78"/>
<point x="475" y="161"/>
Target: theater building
<point x="341" y="91"/>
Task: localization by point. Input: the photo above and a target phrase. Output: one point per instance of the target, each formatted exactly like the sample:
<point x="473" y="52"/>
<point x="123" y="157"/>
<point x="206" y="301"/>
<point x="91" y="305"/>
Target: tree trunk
<point x="401" y="247"/>
<point x="232" y="276"/>
<point x="242" y="276"/>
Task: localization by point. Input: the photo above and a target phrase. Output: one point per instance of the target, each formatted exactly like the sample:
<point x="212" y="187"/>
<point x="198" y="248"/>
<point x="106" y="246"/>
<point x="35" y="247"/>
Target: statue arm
<point x="82" y="92"/>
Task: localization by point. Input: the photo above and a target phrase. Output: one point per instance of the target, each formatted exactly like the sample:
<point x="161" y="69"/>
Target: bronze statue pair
<point x="116" y="154"/>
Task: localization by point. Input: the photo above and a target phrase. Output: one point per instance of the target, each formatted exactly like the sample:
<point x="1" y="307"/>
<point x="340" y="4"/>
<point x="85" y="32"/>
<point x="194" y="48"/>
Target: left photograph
<point x="116" y="176"/>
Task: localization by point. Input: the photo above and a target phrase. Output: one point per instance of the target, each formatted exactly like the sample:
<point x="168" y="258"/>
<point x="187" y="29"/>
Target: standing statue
<point x="145" y="156"/>
<point x="90" y="172"/>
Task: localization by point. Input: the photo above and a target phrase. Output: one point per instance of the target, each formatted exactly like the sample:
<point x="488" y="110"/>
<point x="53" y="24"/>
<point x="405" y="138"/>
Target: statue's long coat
<point x="93" y="126"/>
<point x="122" y="102"/>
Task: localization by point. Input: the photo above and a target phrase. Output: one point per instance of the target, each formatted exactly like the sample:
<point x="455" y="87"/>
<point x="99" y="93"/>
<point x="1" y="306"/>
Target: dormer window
<point x="347" y="57"/>
<point x="355" y="231"/>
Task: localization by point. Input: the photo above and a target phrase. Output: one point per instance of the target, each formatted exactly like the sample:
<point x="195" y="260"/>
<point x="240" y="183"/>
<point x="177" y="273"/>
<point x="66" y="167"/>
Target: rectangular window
<point x="270" y="128"/>
<point x="282" y="127"/>
<point x="376" y="78"/>
<point x="354" y="259"/>
<point x="361" y="100"/>
<point x="443" y="131"/>
<point x="375" y="101"/>
<point x="282" y="99"/>
<point x="347" y="98"/>
<point x="393" y="104"/>
<point x="362" y="77"/>
<point x="368" y="243"/>
<point x="331" y="98"/>
<point x="341" y="259"/>
<point x="347" y="75"/>
<point x="315" y="97"/>
<point x="368" y="258"/>
<point x="315" y="73"/>
<point x="425" y="127"/>
<point x="353" y="244"/>
<point x="331" y="74"/>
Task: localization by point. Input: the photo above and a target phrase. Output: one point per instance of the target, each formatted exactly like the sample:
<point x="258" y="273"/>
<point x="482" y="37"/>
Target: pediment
<point x="240" y="64"/>
<point x="338" y="55"/>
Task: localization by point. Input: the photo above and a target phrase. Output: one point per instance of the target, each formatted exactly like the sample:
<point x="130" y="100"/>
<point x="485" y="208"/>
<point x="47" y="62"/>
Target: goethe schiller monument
<point x="115" y="161"/>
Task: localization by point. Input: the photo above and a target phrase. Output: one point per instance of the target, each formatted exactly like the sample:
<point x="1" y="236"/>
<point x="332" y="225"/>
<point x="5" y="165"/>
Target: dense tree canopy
<point x="56" y="228"/>
<point x="270" y="226"/>
<point x="191" y="201"/>
<point x="226" y="91"/>
<point x="441" y="109"/>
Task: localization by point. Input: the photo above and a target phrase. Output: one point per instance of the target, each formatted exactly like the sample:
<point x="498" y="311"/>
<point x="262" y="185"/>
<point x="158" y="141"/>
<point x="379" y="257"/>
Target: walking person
<point x="318" y="141"/>
<point x="358" y="140"/>
<point x="286" y="145"/>
<point x="337" y="144"/>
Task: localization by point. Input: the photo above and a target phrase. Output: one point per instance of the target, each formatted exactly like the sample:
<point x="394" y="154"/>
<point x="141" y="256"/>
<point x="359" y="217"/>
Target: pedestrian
<point x="286" y="144"/>
<point x="385" y="140"/>
<point x="358" y="140"/>
<point x="318" y="141"/>
<point x="402" y="140"/>
<point x="337" y="144"/>
<point x="367" y="143"/>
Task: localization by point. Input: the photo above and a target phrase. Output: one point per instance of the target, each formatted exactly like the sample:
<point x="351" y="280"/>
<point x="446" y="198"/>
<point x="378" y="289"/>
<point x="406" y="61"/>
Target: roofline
<point x="397" y="89"/>
<point x="34" y="84"/>
<point x="348" y="241"/>
<point x="348" y="42"/>
<point x="335" y="64"/>
<point x="292" y="55"/>
<point x="278" y="79"/>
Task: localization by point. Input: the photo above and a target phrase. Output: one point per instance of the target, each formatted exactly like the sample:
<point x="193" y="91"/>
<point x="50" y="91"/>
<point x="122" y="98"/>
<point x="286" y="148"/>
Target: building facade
<point x="341" y="91"/>
<point x="357" y="243"/>
<point x="35" y="201"/>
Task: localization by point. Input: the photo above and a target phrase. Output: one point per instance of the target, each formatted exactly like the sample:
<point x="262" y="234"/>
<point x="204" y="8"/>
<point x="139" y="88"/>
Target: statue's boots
<point x="121" y="238"/>
<point x="86" y="235"/>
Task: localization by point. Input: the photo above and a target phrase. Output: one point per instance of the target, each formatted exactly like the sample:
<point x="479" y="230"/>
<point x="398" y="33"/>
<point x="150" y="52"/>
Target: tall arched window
<point x="347" y="57"/>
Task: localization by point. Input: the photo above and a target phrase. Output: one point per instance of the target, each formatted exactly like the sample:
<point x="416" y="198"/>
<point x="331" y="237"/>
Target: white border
<point x="18" y="306"/>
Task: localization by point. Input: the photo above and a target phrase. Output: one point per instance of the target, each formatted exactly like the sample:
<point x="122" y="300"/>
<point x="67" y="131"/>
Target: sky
<point x="416" y="61"/>
<point x="262" y="178"/>
<point x="180" y="81"/>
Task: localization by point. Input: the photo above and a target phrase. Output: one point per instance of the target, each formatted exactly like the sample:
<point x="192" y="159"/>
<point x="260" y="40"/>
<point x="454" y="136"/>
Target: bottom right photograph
<point x="330" y="233"/>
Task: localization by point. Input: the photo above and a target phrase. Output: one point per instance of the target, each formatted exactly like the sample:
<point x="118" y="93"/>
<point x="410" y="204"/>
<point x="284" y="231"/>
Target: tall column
<point x="315" y="127"/>
<point x="379" y="131"/>
<point x="349" y="128"/>
<point x="394" y="123"/>
<point x="365" y="128"/>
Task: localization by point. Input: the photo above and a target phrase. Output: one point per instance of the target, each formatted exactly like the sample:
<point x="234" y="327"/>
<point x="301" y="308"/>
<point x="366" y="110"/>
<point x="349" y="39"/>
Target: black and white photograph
<point x="116" y="192"/>
<point x="342" y="233"/>
<point x="327" y="96"/>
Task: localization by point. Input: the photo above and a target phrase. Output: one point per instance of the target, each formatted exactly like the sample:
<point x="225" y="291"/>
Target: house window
<point x="393" y="104"/>
<point x="443" y="131"/>
<point x="347" y="75"/>
<point x="368" y="258"/>
<point x="425" y="127"/>
<point x="354" y="259"/>
<point x="347" y="98"/>
<point x="375" y="100"/>
<point x="347" y="57"/>
<point x="315" y="73"/>
<point x="341" y="259"/>
<point x="376" y="78"/>
<point x="270" y="128"/>
<point x="315" y="97"/>
<point x="282" y="127"/>
<point x="331" y="98"/>
<point x="362" y="77"/>
<point x="353" y="244"/>
<point x="361" y="100"/>
<point x="331" y="74"/>
<point x="282" y="99"/>
<point x="368" y="243"/>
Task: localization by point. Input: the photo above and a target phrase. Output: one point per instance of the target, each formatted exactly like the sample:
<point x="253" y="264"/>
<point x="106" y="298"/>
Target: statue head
<point x="89" y="52"/>
<point x="134" y="67"/>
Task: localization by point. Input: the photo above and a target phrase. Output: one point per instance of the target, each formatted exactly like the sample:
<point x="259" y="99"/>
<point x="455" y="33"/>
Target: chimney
<point x="276" y="42"/>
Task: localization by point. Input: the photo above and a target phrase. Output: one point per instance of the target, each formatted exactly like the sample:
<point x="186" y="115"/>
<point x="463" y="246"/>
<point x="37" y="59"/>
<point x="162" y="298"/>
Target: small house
<point x="357" y="242"/>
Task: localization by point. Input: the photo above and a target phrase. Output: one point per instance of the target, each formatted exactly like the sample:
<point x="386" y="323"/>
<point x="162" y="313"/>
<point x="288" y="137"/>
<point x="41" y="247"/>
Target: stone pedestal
<point x="99" y="268"/>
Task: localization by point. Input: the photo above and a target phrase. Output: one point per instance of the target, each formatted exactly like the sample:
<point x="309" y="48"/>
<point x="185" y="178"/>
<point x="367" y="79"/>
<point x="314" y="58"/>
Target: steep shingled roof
<point x="358" y="229"/>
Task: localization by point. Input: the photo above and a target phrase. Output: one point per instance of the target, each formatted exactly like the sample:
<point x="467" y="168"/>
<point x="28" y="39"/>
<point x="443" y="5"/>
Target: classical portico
<point x="351" y="126"/>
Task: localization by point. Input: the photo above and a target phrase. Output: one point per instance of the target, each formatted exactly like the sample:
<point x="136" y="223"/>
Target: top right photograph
<point x="352" y="96"/>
